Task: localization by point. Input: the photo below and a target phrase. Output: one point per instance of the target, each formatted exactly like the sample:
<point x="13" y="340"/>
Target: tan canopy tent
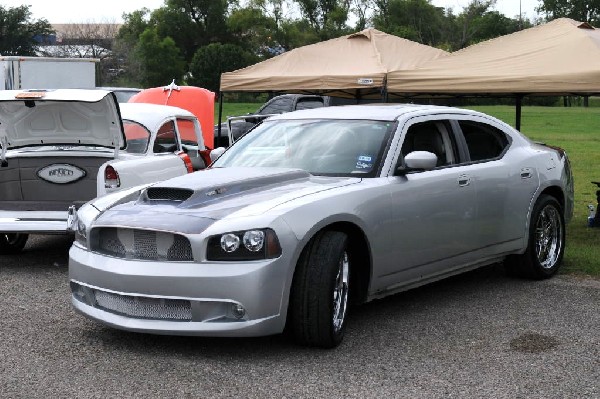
<point x="558" y="58"/>
<point x="355" y="65"/>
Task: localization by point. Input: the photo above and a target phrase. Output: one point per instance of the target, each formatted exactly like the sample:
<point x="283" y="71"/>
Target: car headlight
<point x="81" y="222"/>
<point x="252" y="244"/>
<point x="81" y="233"/>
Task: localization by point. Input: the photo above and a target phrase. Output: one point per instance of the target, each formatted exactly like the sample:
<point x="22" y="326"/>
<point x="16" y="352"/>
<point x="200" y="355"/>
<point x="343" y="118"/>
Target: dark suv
<point x="276" y="105"/>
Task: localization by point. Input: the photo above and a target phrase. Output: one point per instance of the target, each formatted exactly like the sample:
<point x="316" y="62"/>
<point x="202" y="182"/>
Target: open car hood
<point x="59" y="117"/>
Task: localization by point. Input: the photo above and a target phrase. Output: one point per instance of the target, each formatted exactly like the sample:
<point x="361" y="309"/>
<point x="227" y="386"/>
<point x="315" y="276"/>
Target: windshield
<point x="137" y="137"/>
<point x="321" y="147"/>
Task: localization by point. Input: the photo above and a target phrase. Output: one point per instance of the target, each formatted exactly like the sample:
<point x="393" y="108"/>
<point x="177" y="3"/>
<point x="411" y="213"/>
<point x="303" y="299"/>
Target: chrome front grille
<point x="141" y="244"/>
<point x="140" y="307"/>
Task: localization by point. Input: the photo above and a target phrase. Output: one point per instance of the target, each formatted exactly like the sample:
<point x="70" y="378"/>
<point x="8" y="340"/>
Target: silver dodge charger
<point x="314" y="211"/>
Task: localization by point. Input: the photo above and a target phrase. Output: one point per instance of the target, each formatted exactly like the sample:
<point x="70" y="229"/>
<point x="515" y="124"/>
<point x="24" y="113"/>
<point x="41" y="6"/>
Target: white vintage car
<point x="314" y="210"/>
<point x="64" y="147"/>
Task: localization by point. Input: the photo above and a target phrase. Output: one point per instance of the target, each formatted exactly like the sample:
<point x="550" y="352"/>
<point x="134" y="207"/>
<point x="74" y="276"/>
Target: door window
<point x="166" y="139"/>
<point x="434" y="137"/>
<point x="187" y="131"/>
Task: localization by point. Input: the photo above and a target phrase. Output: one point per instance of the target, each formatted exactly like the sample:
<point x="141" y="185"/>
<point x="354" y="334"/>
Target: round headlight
<point x="254" y="240"/>
<point x="81" y="233"/>
<point x="230" y="242"/>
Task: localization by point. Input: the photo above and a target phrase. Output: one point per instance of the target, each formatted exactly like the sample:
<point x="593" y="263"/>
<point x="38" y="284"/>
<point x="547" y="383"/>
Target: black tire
<point x="320" y="291"/>
<point x="12" y="243"/>
<point x="546" y="245"/>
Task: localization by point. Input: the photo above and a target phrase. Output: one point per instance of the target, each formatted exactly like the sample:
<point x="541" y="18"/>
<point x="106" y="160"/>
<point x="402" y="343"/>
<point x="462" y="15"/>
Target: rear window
<point x="484" y="141"/>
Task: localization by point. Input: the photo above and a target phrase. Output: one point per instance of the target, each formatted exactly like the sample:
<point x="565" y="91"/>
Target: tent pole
<point x="519" y="101"/>
<point x="220" y="116"/>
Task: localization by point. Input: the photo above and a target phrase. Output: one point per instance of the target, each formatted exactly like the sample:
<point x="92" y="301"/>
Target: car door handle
<point x="464" y="180"/>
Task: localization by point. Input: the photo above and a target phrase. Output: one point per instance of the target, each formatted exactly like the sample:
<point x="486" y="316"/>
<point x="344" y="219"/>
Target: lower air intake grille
<point x="144" y="307"/>
<point x="141" y="244"/>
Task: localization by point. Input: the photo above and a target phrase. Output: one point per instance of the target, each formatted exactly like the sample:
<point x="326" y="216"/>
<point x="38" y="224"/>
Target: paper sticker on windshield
<point x="364" y="163"/>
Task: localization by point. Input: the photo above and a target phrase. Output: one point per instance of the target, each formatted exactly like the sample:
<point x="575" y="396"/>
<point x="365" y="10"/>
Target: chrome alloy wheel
<point x="340" y="293"/>
<point x="548" y="237"/>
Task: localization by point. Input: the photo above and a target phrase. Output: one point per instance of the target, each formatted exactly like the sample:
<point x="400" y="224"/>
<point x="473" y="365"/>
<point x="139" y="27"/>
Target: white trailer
<point x="22" y="73"/>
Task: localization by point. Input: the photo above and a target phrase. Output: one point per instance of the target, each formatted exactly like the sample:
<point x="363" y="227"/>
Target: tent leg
<point x="518" y="104"/>
<point x="220" y="116"/>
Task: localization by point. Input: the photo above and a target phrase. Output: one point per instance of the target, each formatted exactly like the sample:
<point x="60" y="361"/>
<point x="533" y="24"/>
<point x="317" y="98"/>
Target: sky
<point x="80" y="11"/>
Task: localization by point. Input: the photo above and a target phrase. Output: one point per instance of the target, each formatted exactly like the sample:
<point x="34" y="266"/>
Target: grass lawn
<point x="575" y="129"/>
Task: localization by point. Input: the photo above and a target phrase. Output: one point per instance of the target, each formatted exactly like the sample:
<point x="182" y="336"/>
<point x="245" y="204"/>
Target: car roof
<point x="384" y="112"/>
<point x="152" y="114"/>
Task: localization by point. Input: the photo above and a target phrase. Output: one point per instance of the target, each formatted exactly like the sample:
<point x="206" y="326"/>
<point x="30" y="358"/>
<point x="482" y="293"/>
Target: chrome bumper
<point x="34" y="222"/>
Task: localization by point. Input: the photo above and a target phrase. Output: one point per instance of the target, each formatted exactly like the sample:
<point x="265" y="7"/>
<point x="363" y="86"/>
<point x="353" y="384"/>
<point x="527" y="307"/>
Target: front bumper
<point x="180" y="298"/>
<point x="34" y="222"/>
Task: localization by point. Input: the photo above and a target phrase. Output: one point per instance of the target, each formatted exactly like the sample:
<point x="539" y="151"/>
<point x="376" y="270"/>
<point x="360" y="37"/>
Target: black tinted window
<point x="484" y="141"/>
<point x="309" y="103"/>
<point x="278" y="106"/>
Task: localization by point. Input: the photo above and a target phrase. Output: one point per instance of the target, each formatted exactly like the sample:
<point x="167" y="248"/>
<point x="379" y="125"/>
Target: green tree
<point x="160" y="59"/>
<point x="209" y="18"/>
<point x="134" y="24"/>
<point x="478" y="22"/>
<point x="271" y="8"/>
<point x="326" y="17"/>
<point x="252" y="29"/>
<point x="361" y="10"/>
<point x="416" y="20"/>
<point x="18" y="29"/>
<point x="124" y="54"/>
<point x="178" y="25"/>
<point x="579" y="10"/>
<point x="467" y="26"/>
<point x="212" y="60"/>
<point x="296" y="33"/>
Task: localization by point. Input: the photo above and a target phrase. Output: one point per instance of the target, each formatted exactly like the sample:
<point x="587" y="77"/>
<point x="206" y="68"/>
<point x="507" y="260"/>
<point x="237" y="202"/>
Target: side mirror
<point x="418" y="160"/>
<point x="216" y="153"/>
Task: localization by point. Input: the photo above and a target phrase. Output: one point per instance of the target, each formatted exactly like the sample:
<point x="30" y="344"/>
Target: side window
<point x="187" y="132"/>
<point x="483" y="141"/>
<point x="432" y="136"/>
<point x="309" y="103"/>
<point x="166" y="139"/>
<point x="278" y="106"/>
<point x="137" y="137"/>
